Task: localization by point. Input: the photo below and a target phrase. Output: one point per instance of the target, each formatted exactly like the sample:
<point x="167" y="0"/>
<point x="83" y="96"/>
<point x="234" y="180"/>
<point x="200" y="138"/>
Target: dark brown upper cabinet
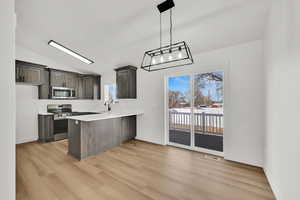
<point x="71" y="80"/>
<point x="89" y="87"/>
<point x="126" y="82"/>
<point x="29" y="73"/>
<point x="60" y="78"/>
<point x="44" y="89"/>
<point x="57" y="78"/>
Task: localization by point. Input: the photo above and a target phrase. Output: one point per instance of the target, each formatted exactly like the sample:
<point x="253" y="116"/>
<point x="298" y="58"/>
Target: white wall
<point x="244" y="99"/>
<point x="282" y="160"/>
<point x="7" y="101"/>
<point x="28" y="105"/>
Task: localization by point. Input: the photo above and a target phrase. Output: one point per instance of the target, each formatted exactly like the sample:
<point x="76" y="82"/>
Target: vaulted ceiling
<point x="117" y="32"/>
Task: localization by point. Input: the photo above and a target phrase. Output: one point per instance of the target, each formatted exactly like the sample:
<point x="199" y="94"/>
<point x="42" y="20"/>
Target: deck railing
<point x="204" y="123"/>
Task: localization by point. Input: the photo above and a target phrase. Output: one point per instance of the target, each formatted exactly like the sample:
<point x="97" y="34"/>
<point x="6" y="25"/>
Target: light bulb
<point x="180" y="54"/>
<point x="153" y="61"/>
<point x="170" y="57"/>
<point x="161" y="58"/>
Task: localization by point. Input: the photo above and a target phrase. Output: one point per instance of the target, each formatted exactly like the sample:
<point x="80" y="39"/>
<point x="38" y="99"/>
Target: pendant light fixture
<point x="169" y="56"/>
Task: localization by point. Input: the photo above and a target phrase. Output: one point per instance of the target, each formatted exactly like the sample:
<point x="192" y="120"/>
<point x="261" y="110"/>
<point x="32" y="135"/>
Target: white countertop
<point x="45" y="113"/>
<point x="106" y="115"/>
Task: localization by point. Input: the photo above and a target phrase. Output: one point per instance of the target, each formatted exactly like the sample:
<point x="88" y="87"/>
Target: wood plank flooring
<point x="134" y="171"/>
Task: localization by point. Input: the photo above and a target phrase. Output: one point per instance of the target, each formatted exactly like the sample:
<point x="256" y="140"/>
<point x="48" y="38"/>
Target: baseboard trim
<point x="255" y="164"/>
<point x="270" y="183"/>
<point x="145" y="140"/>
<point x="26" y="140"/>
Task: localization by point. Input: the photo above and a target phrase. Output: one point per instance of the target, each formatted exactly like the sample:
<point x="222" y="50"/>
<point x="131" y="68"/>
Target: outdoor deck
<point x="208" y="129"/>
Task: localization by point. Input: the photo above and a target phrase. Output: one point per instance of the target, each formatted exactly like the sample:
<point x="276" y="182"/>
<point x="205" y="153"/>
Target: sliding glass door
<point x="195" y="111"/>
<point x="179" y="92"/>
<point x="208" y="111"/>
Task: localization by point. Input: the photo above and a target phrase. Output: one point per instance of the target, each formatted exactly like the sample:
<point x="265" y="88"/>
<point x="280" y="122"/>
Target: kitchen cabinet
<point x="29" y="73"/>
<point x="126" y="82"/>
<point x="89" y="87"/>
<point x="71" y="80"/>
<point x="128" y="130"/>
<point x="86" y="86"/>
<point x="44" y="89"/>
<point x="45" y="128"/>
<point x="97" y="87"/>
<point x="88" y="138"/>
<point x="132" y="127"/>
<point x="63" y="79"/>
<point x="57" y="78"/>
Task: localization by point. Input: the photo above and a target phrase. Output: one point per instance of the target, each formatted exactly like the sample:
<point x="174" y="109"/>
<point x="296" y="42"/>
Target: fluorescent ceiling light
<point x="70" y="52"/>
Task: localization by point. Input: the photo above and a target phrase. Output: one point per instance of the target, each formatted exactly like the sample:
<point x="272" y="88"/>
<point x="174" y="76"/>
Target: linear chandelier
<point x="169" y="56"/>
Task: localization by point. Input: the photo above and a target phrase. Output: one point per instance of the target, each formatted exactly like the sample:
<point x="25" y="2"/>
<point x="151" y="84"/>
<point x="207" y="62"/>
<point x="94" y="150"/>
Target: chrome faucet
<point x="108" y="103"/>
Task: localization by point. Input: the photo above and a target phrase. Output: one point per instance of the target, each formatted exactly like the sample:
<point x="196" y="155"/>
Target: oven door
<point x="60" y="129"/>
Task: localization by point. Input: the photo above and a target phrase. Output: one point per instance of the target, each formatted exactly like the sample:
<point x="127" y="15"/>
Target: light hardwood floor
<point x="134" y="171"/>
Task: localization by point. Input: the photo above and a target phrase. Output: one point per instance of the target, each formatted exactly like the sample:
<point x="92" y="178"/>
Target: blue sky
<point x="179" y="83"/>
<point x="182" y="84"/>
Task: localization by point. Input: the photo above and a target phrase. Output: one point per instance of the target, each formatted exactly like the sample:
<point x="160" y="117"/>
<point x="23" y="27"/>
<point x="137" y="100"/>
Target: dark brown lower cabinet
<point x="90" y="138"/>
<point x="128" y="131"/>
<point x="45" y="126"/>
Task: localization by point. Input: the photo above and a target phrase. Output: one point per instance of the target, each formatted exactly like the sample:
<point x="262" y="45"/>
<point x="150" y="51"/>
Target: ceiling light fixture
<point x="70" y="52"/>
<point x="179" y="53"/>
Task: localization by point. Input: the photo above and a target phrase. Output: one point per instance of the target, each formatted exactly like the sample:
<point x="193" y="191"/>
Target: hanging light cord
<point x="171" y="29"/>
<point x="160" y="31"/>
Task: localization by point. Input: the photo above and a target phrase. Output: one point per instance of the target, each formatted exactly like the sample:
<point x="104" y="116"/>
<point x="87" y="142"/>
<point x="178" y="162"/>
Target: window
<point x="110" y="91"/>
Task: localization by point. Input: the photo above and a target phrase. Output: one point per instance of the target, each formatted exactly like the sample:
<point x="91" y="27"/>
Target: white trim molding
<point x="26" y="140"/>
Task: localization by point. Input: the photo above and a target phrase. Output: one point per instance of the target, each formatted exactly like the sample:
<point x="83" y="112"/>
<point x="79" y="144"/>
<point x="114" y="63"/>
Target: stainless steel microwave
<point x="63" y="93"/>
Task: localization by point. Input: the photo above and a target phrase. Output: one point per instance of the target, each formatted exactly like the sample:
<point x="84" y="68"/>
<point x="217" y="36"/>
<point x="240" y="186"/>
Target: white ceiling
<point x="117" y="32"/>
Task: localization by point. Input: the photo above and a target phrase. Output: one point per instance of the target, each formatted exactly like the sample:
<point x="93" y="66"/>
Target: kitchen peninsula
<point x="92" y="134"/>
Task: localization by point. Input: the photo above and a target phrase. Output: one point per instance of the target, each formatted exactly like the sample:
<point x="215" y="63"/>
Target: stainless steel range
<point x="61" y="112"/>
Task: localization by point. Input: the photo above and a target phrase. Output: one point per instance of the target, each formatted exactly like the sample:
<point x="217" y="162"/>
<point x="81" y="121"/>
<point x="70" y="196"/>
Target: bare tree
<point x="201" y="82"/>
<point x="177" y="99"/>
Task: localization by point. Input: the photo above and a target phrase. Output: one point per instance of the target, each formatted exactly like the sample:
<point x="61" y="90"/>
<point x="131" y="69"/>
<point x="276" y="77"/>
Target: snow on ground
<point x="199" y="110"/>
